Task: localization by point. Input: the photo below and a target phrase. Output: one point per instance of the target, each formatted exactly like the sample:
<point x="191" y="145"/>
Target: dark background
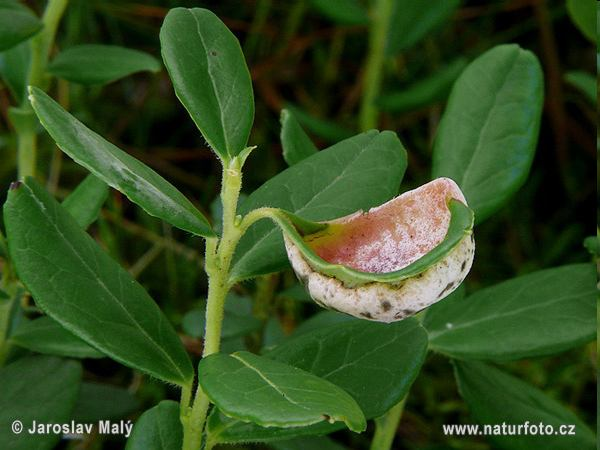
<point x="298" y="56"/>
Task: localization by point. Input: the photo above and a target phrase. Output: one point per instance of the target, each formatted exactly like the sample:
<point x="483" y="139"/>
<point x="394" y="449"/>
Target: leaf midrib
<point x="44" y="211"/>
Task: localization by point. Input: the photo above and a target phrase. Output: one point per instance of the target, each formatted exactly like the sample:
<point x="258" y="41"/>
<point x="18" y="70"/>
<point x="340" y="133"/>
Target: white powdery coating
<point x="391" y="236"/>
<point x="384" y="302"/>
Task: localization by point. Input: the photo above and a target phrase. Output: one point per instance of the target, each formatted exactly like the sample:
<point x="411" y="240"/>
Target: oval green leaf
<point x="354" y="355"/>
<point x="138" y="182"/>
<point x="17" y="23"/>
<point x="77" y="284"/>
<point x="85" y="202"/>
<point x="45" y="335"/>
<point x="36" y="388"/>
<point x="210" y="77"/>
<point x="296" y="144"/>
<point x="159" y="428"/>
<point x="358" y="173"/>
<point x="100" y="64"/>
<point x="256" y="389"/>
<point x="488" y="134"/>
<point x="542" y="313"/>
<point x="495" y="397"/>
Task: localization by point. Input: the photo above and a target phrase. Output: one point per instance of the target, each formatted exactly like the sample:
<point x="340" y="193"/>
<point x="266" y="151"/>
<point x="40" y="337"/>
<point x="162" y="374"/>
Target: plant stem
<point x="386" y="426"/>
<point x="378" y="30"/>
<point x="219" y="253"/>
<point x="41" y="44"/>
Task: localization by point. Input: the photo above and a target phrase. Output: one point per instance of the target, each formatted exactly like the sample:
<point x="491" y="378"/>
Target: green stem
<point x="219" y="253"/>
<point x="378" y="30"/>
<point x="41" y="44"/>
<point x="386" y="426"/>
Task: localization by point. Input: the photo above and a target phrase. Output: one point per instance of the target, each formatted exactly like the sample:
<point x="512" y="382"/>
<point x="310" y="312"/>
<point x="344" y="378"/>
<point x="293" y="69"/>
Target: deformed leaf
<point x="138" y="182"/>
<point x="488" y="133"/>
<point x="256" y="389"/>
<point x="210" y="77"/>
<point x="495" y="397"/>
<point x="357" y="173"/>
<point x="85" y="201"/>
<point x="77" y="284"/>
<point x="354" y="355"/>
<point x="17" y="23"/>
<point x="159" y="428"/>
<point x="296" y="144"/>
<point x="541" y="313"/>
<point x="36" y="388"/>
<point x="100" y="64"/>
<point x="45" y="335"/>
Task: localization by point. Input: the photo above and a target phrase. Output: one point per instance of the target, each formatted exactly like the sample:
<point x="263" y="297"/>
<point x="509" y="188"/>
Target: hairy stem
<point x="378" y="30"/>
<point x="386" y="426"/>
<point x="219" y="253"/>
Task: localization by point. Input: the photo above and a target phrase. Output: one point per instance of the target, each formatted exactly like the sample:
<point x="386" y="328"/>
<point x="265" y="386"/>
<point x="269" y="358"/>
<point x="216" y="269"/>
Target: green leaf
<point x="495" y="397"/>
<point x="36" y="388"/>
<point x="488" y="133"/>
<point x="585" y="82"/>
<point x="537" y="314"/>
<point x="103" y="402"/>
<point x="346" y="12"/>
<point x="138" y="182"/>
<point x="423" y="92"/>
<point x="354" y="355"/>
<point x="77" y="284"/>
<point x="410" y="22"/>
<point x="17" y="24"/>
<point x="583" y="15"/>
<point x="326" y="129"/>
<point x="100" y="64"/>
<point x="320" y="320"/>
<point x="358" y="173"/>
<point x="237" y="321"/>
<point x="14" y="66"/>
<point x="158" y="428"/>
<point x="210" y="77"/>
<point x="296" y="144"/>
<point x="45" y="335"/>
<point x="309" y="442"/>
<point x="254" y="388"/>
<point x="85" y="202"/>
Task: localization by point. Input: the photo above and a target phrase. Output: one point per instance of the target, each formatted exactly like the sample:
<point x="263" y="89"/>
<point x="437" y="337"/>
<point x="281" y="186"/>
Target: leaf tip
<point x="15" y="185"/>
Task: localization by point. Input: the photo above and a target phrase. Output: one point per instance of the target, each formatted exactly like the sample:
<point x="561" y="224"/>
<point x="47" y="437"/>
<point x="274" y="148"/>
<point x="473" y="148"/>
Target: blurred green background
<point x="312" y="59"/>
